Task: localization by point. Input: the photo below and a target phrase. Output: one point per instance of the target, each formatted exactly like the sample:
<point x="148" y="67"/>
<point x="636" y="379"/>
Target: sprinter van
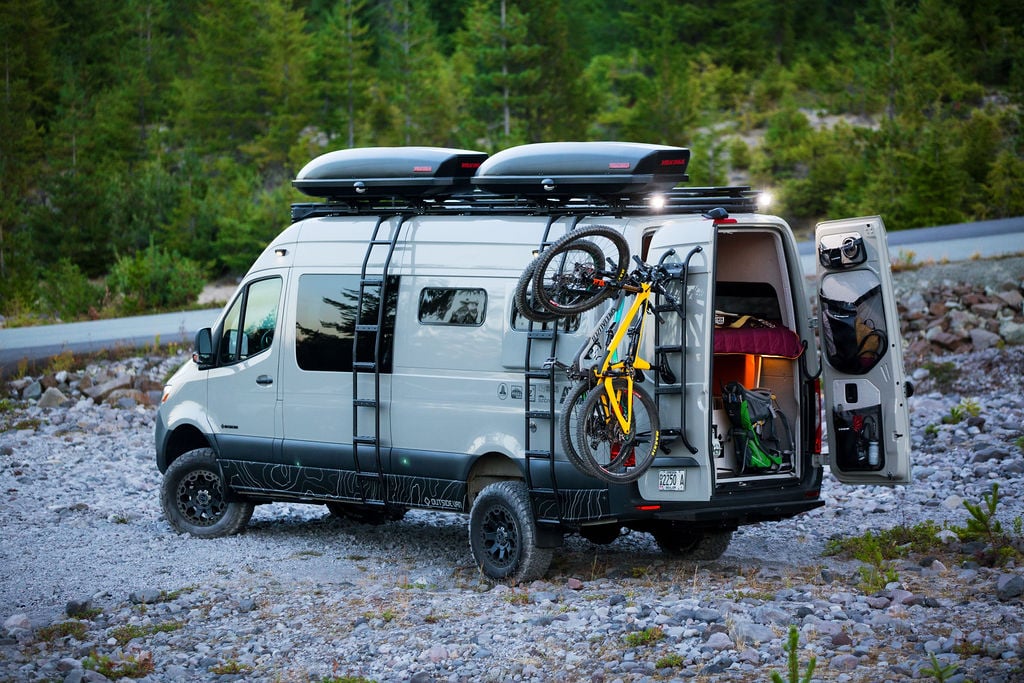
<point x="374" y="358"/>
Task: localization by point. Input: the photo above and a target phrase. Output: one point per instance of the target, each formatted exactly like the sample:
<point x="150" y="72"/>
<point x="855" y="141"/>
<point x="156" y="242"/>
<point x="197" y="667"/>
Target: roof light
<point x="657" y="202"/>
<point x="764" y="200"/>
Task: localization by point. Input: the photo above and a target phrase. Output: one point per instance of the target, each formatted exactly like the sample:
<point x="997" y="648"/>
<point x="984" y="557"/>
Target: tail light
<point x="817" y="416"/>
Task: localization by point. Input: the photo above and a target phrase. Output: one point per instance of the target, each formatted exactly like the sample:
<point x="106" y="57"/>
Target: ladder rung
<point x="364" y="440"/>
<point x="372" y="281"/>
<point x="538" y="374"/>
<point x="669" y="389"/>
<point x="538" y="454"/>
<point x="368" y="365"/>
<point x="367" y="328"/>
<point x="368" y="474"/>
<point x="380" y="242"/>
<point x="540" y="414"/>
<point x="540" y="334"/>
<point x="669" y="348"/>
<point x="365" y="402"/>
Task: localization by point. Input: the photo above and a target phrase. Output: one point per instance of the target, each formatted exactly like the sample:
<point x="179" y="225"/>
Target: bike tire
<point x="572" y="275"/>
<point x="526" y="302"/>
<point x="613" y="457"/>
<point x="572" y="413"/>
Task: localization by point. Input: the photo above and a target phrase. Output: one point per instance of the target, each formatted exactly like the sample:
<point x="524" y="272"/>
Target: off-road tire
<point x="503" y="534"/>
<point x="674" y="539"/>
<point x="526" y="302"/>
<point x="194" y="497"/>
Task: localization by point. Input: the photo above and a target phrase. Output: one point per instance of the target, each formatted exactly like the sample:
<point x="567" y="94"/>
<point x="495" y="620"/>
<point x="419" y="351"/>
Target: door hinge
<point x="812" y="322"/>
<point x="817" y="460"/>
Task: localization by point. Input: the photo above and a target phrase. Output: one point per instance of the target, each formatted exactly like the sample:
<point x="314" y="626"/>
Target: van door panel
<point x="244" y="405"/>
<point x="683" y="236"/>
<point x="863" y="378"/>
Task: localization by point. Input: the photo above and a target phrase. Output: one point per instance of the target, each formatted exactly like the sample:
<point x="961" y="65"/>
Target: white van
<point x="374" y="360"/>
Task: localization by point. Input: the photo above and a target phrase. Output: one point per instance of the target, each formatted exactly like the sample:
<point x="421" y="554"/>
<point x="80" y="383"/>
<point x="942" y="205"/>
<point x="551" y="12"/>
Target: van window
<point x="250" y="323"/>
<point x="453" y="306"/>
<point x="325" y="322"/>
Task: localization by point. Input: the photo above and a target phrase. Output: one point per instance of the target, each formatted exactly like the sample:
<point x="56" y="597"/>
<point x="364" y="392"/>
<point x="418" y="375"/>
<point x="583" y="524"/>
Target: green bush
<point x="155" y="280"/>
<point x="67" y="293"/>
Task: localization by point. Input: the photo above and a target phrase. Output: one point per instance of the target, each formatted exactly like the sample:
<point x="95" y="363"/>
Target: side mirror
<point x="203" y="354"/>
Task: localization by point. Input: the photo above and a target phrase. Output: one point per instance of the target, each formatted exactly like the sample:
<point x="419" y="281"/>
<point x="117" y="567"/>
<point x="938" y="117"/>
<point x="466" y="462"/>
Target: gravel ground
<point x="94" y="579"/>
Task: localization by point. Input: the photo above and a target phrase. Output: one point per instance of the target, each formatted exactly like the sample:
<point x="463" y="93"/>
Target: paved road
<point x="955" y="242"/>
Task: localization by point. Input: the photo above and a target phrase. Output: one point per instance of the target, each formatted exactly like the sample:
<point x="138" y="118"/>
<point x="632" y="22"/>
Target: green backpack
<point x="760" y="430"/>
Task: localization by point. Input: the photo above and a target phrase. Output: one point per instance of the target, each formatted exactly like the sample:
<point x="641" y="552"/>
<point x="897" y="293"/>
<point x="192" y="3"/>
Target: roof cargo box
<point x="389" y="172"/>
<point x="574" y="169"/>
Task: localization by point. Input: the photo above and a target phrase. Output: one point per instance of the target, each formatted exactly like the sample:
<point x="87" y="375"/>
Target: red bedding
<point x="763" y="341"/>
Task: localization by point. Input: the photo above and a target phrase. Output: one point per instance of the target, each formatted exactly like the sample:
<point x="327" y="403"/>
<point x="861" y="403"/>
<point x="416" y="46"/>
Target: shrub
<point x="67" y="293"/>
<point x="156" y="280"/>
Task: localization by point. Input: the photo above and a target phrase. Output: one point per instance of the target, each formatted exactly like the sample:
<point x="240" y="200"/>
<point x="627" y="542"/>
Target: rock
<point x="1009" y="586"/>
<point x="32" y="392"/>
<point x="983" y="339"/>
<point x="100" y="392"/>
<point x="574" y="584"/>
<point x="719" y="641"/>
<point x="1012" y="332"/>
<point x="17" y="622"/>
<point x="144" y="597"/>
<point x="52" y="398"/>
<point x="78" y="608"/>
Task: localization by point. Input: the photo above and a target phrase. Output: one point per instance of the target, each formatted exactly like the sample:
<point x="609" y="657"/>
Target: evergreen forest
<point x="149" y="145"/>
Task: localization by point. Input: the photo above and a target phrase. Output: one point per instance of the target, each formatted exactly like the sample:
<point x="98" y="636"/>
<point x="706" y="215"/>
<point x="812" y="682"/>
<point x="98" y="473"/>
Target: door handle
<point x="264" y="379"/>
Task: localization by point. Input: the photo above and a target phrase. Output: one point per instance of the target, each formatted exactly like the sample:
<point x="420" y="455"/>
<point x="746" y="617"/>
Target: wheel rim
<point x="201" y="498"/>
<point x="501" y="537"/>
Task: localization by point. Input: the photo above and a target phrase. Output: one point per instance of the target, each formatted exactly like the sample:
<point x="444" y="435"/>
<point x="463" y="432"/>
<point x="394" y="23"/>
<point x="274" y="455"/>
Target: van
<point x="374" y="358"/>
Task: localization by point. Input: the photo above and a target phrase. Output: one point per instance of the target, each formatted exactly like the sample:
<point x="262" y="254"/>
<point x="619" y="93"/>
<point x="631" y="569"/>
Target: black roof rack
<point x="558" y="178"/>
<point x="737" y="199"/>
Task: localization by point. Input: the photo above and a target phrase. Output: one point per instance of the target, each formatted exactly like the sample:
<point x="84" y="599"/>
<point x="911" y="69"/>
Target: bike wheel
<point x="572" y="414"/>
<point x="572" y="275"/>
<point x="525" y="300"/>
<point x="613" y="455"/>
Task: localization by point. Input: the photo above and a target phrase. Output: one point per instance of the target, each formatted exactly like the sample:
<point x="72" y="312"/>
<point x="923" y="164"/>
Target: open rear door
<point x="863" y="378"/>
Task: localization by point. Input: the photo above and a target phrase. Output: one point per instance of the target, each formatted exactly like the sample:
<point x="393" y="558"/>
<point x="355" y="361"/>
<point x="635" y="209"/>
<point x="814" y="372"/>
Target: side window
<point x="326" y="320"/>
<point x="250" y="323"/>
<point x="453" y="306"/>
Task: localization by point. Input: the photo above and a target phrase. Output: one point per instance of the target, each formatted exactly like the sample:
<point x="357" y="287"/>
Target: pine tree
<point x="343" y="73"/>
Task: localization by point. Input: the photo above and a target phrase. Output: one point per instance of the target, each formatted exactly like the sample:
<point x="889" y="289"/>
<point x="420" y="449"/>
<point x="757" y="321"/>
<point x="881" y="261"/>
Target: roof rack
<point x="738" y="199"/>
<point x="570" y="178"/>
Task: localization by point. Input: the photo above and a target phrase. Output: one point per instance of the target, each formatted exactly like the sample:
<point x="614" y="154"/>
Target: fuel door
<point x="864" y="382"/>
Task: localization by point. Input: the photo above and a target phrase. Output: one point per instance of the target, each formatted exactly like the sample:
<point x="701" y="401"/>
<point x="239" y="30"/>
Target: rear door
<point x="862" y="375"/>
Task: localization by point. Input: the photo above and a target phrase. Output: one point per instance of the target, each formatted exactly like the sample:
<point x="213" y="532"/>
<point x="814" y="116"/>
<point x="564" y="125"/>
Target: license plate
<point x="672" y="480"/>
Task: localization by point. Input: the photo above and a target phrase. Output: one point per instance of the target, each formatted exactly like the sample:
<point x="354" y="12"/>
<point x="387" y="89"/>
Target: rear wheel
<point x="194" y="497"/>
<point x="573" y="274"/>
<point x="675" y="539"/>
<point x="614" y="454"/>
<point x="503" y="534"/>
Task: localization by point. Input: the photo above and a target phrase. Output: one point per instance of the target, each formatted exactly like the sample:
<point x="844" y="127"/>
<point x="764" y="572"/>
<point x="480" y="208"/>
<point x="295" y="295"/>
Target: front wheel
<point x="503" y="534"/>
<point x="615" y="454"/>
<point x="579" y="270"/>
<point x="194" y="497"/>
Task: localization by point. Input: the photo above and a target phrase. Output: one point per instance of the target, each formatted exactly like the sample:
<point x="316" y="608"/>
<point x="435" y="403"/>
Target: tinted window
<point x="250" y="323"/>
<point x="453" y="306"/>
<point x="326" y="319"/>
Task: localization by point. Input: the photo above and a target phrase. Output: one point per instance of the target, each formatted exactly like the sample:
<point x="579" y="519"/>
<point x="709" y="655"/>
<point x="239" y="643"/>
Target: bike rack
<point x="375" y="284"/>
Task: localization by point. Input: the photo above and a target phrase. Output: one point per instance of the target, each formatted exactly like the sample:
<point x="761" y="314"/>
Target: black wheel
<point x="573" y="413"/>
<point x="572" y="275"/>
<point x="614" y="455"/>
<point x="503" y="534"/>
<point x="675" y="539"/>
<point x="527" y="304"/>
<point x="367" y="514"/>
<point x="601" y="534"/>
<point x="194" y="497"/>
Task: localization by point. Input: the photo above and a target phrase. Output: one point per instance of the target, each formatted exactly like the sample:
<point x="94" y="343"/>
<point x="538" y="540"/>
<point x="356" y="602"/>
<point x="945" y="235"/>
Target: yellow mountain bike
<point x="609" y="424"/>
